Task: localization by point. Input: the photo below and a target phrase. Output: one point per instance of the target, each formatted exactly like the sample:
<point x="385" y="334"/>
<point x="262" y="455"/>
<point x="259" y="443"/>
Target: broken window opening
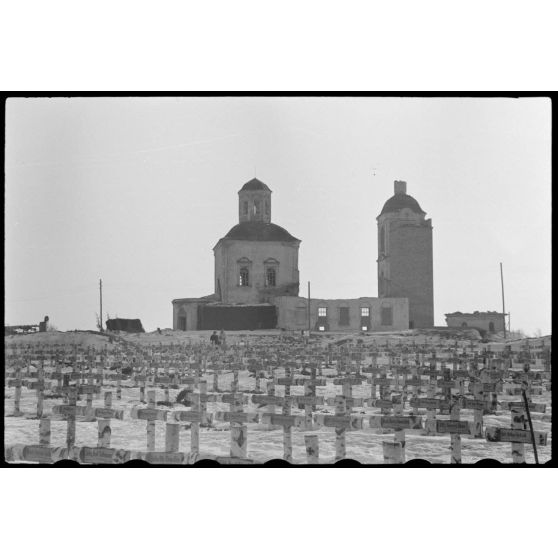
<point x="387" y="316"/>
<point x="270" y="277"/>
<point x="244" y="277"/>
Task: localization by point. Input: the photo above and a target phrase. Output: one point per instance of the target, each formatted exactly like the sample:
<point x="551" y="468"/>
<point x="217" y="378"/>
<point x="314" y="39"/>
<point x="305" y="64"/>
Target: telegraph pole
<point x="101" y="303"/>
<point x="309" y="309"/>
<point x="503" y="301"/>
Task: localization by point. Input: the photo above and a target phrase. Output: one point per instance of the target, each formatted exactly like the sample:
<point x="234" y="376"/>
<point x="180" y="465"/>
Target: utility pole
<point x="101" y="303"/>
<point x="503" y="302"/>
<point x="309" y="326"/>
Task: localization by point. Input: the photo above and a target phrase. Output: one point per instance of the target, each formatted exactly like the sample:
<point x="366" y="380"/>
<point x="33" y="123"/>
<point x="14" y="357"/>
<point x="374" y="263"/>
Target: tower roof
<point x="258" y="230"/>
<point x="255" y="184"/>
<point x="401" y="201"/>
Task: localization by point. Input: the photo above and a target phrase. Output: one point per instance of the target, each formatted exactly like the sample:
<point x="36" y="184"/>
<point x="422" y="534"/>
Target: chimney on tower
<point x="400" y="187"/>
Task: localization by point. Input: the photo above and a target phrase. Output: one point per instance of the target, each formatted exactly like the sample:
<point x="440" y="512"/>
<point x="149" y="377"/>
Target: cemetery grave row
<point x="408" y="388"/>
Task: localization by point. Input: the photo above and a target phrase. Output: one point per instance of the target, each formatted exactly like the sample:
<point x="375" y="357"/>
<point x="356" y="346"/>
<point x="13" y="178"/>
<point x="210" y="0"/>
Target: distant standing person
<point x="222" y="338"/>
<point x="214" y="339"/>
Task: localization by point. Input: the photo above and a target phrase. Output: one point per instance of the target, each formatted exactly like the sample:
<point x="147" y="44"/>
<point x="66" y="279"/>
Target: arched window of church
<point x="244" y="277"/>
<point x="270" y="277"/>
<point x="266" y="207"/>
<point x="245" y="208"/>
<point x="491" y="327"/>
<point x="382" y="240"/>
<point x="256" y="207"/>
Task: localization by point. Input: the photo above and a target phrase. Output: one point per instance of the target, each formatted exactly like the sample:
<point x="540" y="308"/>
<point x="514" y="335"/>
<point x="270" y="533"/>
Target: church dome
<point x="255" y="184"/>
<point x="258" y="230"/>
<point x="401" y="201"/>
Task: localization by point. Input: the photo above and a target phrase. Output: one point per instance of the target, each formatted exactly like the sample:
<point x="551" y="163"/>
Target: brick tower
<point x="405" y="255"/>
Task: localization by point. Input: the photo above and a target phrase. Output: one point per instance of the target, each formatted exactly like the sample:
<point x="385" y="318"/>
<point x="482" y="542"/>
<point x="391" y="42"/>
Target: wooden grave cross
<point x="394" y="452"/>
<point x="518" y="435"/>
<point x="341" y="421"/>
<point x="286" y="420"/>
<point x="151" y="414"/>
<point x="455" y="427"/>
<point x="311" y="443"/>
<point x="308" y="403"/>
<point x="16" y="383"/>
<point x="103" y="415"/>
<point x="196" y="417"/>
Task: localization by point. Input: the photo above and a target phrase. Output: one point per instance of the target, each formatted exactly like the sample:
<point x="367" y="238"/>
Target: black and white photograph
<point x="305" y="280"/>
<point x="278" y="278"/>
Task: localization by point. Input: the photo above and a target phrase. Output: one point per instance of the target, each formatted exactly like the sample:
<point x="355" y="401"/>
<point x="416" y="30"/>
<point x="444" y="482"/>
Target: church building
<point x="257" y="283"/>
<point x="256" y="259"/>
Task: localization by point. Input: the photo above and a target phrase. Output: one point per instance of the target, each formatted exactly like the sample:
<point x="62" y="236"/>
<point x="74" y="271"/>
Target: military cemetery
<point x="379" y="399"/>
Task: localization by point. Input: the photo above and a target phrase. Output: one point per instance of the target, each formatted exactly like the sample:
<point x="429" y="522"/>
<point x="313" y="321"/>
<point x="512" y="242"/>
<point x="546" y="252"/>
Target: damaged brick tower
<point x="405" y="255"/>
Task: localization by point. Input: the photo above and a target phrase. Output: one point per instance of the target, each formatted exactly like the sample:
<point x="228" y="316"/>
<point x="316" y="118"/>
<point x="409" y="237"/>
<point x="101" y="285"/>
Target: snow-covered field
<point x="364" y="445"/>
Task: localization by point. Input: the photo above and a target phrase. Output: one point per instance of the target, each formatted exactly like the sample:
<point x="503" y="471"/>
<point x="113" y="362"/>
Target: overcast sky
<point x="138" y="191"/>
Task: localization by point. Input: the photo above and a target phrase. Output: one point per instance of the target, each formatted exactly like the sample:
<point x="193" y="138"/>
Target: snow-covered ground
<point x="364" y="445"/>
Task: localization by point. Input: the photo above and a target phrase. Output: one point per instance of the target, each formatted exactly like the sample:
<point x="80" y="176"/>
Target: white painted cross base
<point x="312" y="449"/>
<point x="40" y="386"/>
<point x="399" y="438"/>
<point x="44" y="432"/>
<point x="340" y="431"/>
<point x="172" y="437"/>
<point x="150" y="423"/>
<point x="455" y="437"/>
<point x="393" y="453"/>
<point x="17" y="395"/>
<point x="270" y="408"/>
<point x="287" y="432"/>
<point x="239" y="441"/>
<point x="89" y="392"/>
<point x="202" y="403"/>
<point x="430" y="413"/>
<point x="430" y="424"/>
<point x="104" y="433"/>
<point x="71" y="424"/>
<point x="477" y="429"/>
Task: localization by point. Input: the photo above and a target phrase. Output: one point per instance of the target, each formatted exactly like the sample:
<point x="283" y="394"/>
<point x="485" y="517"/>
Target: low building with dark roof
<point x="124" y="324"/>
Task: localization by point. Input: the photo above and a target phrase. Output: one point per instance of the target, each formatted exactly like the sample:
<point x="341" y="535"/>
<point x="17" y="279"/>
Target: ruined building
<point x="257" y="281"/>
<point x="491" y="321"/>
<point x="405" y="255"/>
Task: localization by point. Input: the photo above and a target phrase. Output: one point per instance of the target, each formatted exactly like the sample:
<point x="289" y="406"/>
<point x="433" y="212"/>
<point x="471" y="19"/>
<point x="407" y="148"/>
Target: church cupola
<point x="254" y="202"/>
